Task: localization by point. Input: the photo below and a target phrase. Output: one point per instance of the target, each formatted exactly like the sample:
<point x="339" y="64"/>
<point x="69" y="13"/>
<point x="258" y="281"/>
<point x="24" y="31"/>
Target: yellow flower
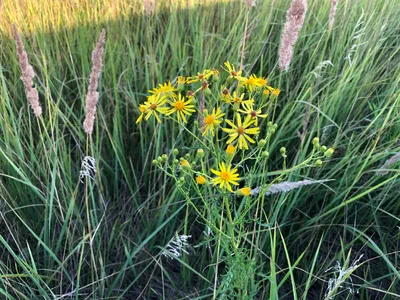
<point x="153" y="106"/>
<point x="181" y="107"/>
<point x="271" y="91"/>
<point x="181" y="83"/>
<point x="201" y="180"/>
<point x="239" y="99"/>
<point x="200" y="76"/>
<point x="185" y="164"/>
<point x="226" y="96"/>
<point x="233" y="74"/>
<point x="246" y="191"/>
<point x="212" y="120"/>
<point x="230" y="150"/>
<point x="225" y="177"/>
<point x="165" y="89"/>
<point x="181" y="80"/>
<point x="253" y="113"/>
<point x="254" y="82"/>
<point x="241" y="131"/>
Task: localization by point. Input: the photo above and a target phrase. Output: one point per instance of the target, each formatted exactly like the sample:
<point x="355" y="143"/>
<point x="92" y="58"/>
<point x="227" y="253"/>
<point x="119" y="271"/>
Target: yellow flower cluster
<point x="234" y="105"/>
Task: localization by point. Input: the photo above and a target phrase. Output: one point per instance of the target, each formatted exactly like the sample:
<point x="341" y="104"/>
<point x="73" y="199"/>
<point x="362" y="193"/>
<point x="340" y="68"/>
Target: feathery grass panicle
<point x="294" y="21"/>
<point x="27" y="74"/>
<point x="249" y="3"/>
<point x="149" y="6"/>
<point x="92" y="96"/>
<point x="332" y="13"/>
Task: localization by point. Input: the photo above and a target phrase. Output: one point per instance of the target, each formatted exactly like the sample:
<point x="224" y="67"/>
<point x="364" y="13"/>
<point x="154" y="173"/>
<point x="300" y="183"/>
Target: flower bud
<point x="265" y="154"/>
<point x="200" y="153"/>
<point x="246" y="191"/>
<point x="328" y="153"/>
<point x="261" y="143"/>
<point x="207" y="92"/>
<point x="315" y="143"/>
<point x="185" y="164"/>
<point x="164" y="157"/>
<point x="180" y="87"/>
<point x="215" y="76"/>
<point x="201" y="180"/>
<point x="154" y="162"/>
<point x="230" y="151"/>
<point x="181" y="83"/>
<point x="318" y="163"/>
<point x="160" y="159"/>
<point x="175" y="152"/>
<point x="283" y="150"/>
<point x="323" y="149"/>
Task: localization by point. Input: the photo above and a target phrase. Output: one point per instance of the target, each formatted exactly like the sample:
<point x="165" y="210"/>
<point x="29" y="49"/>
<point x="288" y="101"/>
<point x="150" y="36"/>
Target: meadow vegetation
<point x="134" y="208"/>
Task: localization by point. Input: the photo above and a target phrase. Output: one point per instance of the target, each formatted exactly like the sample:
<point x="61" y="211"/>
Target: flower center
<point x="225" y="176"/>
<point x="209" y="119"/>
<point x="253" y="114"/>
<point x="189" y="93"/>
<point x="237" y="99"/>
<point x="240" y="130"/>
<point x="179" y="105"/>
<point x="233" y="73"/>
<point x="153" y="106"/>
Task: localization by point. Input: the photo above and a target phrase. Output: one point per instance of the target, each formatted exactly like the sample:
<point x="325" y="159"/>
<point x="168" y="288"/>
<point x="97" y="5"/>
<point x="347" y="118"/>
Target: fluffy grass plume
<point x="27" y="74"/>
<point x="92" y="96"/>
<point x="332" y="13"/>
<point x="294" y="21"/>
<point x="149" y="6"/>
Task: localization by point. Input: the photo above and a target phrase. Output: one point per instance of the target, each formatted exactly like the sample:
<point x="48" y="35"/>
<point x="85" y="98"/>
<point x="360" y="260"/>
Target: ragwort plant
<point x="226" y="163"/>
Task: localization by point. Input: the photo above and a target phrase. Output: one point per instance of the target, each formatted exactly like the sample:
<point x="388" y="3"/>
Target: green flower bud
<point x="176" y="161"/>
<point x="328" y="153"/>
<point x="182" y="180"/>
<point x="164" y="157"/>
<point x="275" y="126"/>
<point x="283" y="150"/>
<point x="154" y="162"/>
<point x="181" y="86"/>
<point x="187" y="155"/>
<point x="261" y="143"/>
<point x="323" y="149"/>
<point x="207" y="92"/>
<point x="318" y="163"/>
<point x="160" y="159"/>
<point x="265" y="154"/>
<point x="175" y="152"/>
<point x="185" y="164"/>
<point x="315" y="143"/>
<point x="200" y="153"/>
<point x="196" y="123"/>
<point x="215" y="76"/>
<point x="270" y="124"/>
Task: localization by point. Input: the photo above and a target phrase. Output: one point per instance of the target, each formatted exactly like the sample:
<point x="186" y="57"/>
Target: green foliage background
<point x="45" y="248"/>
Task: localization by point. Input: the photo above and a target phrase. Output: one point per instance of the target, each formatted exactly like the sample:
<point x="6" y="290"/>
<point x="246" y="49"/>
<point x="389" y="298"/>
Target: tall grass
<point x="46" y="250"/>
